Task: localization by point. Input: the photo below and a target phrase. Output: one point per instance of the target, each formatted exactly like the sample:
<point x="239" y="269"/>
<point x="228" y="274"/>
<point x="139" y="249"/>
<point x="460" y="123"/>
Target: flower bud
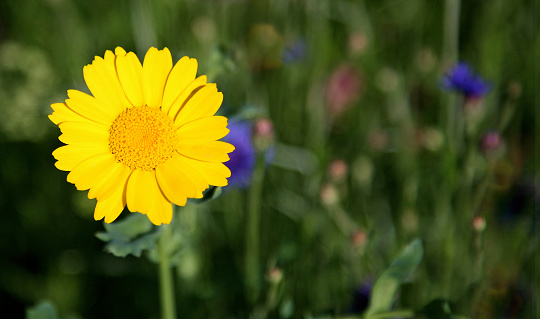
<point x="358" y="43"/>
<point x="274" y="275"/>
<point x="359" y="239"/>
<point x="329" y="194"/>
<point x="492" y="145"/>
<point x="342" y="89"/>
<point x="432" y="138"/>
<point x="479" y="224"/>
<point x="263" y="134"/>
<point x="338" y="171"/>
<point x="491" y="141"/>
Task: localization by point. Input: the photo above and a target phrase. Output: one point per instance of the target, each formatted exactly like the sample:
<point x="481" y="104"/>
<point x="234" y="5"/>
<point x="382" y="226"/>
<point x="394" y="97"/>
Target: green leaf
<point x="43" y="310"/>
<point x="131" y="235"/>
<point x="211" y="193"/>
<point x="385" y="288"/>
<point x="439" y="309"/>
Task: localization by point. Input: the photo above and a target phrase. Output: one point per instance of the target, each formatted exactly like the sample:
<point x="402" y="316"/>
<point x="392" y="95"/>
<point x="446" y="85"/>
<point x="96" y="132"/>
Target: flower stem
<point x="451" y="30"/>
<point x="252" y="261"/>
<point x="166" y="283"/>
<point x="450" y="56"/>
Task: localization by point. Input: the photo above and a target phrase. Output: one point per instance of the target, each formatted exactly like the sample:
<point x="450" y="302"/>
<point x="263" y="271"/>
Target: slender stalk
<point x="451" y="30"/>
<point x="453" y="132"/>
<point x="252" y="262"/>
<point x="166" y="283"/>
<point x="394" y="314"/>
<point x="450" y="56"/>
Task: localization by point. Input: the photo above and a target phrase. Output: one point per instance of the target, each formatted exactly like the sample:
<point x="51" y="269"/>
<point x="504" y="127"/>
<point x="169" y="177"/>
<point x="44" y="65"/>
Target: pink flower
<point x="342" y="89"/>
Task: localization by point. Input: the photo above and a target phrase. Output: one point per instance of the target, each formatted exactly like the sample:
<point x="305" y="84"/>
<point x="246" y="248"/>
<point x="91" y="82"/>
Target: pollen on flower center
<point x="142" y="138"/>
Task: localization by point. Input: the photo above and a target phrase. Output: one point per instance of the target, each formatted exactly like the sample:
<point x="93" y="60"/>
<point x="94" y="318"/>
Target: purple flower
<point x="462" y="79"/>
<point x="296" y="51"/>
<point x="491" y="141"/>
<point x="243" y="157"/>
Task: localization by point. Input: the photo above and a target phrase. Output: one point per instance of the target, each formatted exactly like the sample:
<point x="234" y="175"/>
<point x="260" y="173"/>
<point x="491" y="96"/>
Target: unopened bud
<point x="479" y="224"/>
<point x="263" y="134"/>
<point x="432" y="139"/>
<point x="363" y="170"/>
<point x="329" y="194"/>
<point x="492" y="145"/>
<point x="359" y="239"/>
<point x="491" y="141"/>
<point x="358" y="42"/>
<point x="342" y="89"/>
<point x="274" y="276"/>
<point x="338" y="170"/>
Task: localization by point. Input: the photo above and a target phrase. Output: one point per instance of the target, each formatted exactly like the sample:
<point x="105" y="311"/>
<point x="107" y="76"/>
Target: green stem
<point x="252" y="267"/>
<point x="451" y="30"/>
<point x="450" y="56"/>
<point x="453" y="133"/>
<point x="166" y="283"/>
<point x="393" y="314"/>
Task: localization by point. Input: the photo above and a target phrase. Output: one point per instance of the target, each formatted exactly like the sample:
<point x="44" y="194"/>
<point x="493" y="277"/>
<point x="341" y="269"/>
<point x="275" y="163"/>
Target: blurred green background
<point x="365" y="158"/>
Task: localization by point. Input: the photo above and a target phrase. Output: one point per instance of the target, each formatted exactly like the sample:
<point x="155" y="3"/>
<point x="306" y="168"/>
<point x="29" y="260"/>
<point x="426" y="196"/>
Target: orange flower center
<point x="142" y="138"/>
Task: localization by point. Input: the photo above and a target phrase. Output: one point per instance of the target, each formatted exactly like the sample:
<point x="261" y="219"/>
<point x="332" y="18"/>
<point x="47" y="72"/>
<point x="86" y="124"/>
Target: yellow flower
<point x="147" y="137"/>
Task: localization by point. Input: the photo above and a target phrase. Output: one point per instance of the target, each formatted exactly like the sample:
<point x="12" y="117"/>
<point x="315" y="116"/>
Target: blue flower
<point x="243" y="158"/>
<point x="296" y="51"/>
<point x="462" y="79"/>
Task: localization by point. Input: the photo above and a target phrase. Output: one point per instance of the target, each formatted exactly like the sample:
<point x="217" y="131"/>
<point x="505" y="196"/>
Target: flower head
<point x="491" y="142"/>
<point x="243" y="158"/>
<point x="462" y="79"/>
<point x="296" y="51"/>
<point x="146" y="137"/>
<point x="342" y="89"/>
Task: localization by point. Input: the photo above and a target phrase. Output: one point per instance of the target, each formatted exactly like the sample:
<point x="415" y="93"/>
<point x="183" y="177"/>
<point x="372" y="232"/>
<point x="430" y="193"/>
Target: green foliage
<point x="130" y="236"/>
<point x="211" y="193"/>
<point x="43" y="310"/>
<point x="386" y="287"/>
<point x="438" y="309"/>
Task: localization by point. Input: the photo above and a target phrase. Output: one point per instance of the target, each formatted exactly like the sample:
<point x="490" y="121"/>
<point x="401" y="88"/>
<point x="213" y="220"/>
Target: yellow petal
<point x="214" y="173"/>
<point x="69" y="156"/>
<point x="161" y="210"/>
<point x="107" y="186"/>
<point x="129" y="70"/>
<point x="119" y="51"/>
<point x="102" y="80"/>
<point x="182" y="74"/>
<point x="90" y="172"/>
<point x="203" y="130"/>
<point x="176" y="186"/>
<point x="62" y="113"/>
<point x="113" y="206"/>
<point x="140" y="191"/>
<point x="84" y="134"/>
<point x="193" y="175"/>
<point x="185" y="95"/>
<point x="204" y="103"/>
<point x="215" y="151"/>
<point x="156" y="67"/>
<point x="91" y="108"/>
